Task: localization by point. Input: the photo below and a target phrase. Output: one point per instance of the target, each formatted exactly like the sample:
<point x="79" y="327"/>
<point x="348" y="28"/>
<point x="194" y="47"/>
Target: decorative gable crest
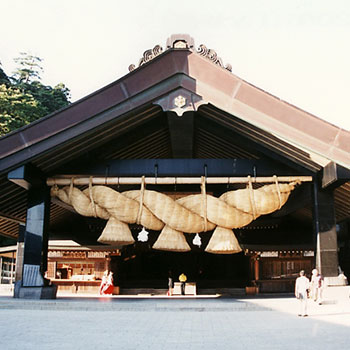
<point x="148" y="55"/>
<point x="212" y="56"/>
<point x="181" y="41"/>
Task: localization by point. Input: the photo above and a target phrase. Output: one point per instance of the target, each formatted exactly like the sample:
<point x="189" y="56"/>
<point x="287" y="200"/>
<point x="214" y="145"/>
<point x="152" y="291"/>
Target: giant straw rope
<point x="190" y="214"/>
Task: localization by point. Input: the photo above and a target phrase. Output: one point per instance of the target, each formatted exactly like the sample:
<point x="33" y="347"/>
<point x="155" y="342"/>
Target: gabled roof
<point x="200" y="79"/>
<point x="131" y="118"/>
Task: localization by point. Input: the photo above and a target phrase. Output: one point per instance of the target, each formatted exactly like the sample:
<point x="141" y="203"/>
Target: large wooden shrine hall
<point x="178" y="167"/>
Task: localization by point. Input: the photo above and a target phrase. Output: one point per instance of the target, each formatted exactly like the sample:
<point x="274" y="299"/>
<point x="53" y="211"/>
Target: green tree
<point x="28" y="68"/>
<point x="49" y="98"/>
<point x="16" y="109"/>
<point x="23" y="98"/>
<point x="4" y="79"/>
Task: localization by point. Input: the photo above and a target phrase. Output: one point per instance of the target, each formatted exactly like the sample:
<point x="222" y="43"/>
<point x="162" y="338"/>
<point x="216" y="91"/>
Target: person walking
<point x="302" y="285"/>
<point x="106" y="287"/>
<point x="316" y="286"/>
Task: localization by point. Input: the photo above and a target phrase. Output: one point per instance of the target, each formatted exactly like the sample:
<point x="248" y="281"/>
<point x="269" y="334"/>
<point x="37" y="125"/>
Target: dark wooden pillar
<point x="36" y="237"/>
<point x="35" y="246"/>
<point x="30" y="281"/>
<point x="256" y="269"/>
<point x="326" y="247"/>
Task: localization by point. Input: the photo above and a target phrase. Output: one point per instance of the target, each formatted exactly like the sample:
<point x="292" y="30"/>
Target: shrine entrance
<point x="196" y="229"/>
<point x="180" y="116"/>
<point x="141" y="267"/>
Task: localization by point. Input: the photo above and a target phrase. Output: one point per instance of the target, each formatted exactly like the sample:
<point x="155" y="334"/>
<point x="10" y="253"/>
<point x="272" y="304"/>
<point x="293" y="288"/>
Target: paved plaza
<point x="174" y="323"/>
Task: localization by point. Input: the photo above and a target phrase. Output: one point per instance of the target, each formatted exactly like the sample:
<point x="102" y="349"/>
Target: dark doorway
<point x="140" y="268"/>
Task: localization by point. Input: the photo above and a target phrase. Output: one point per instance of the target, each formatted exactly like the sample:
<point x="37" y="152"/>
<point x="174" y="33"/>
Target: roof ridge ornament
<point x="212" y="56"/>
<point x="181" y="41"/>
<point x="148" y="55"/>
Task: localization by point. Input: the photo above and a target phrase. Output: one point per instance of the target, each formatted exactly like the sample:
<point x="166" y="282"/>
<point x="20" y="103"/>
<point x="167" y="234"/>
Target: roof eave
<point x="182" y="69"/>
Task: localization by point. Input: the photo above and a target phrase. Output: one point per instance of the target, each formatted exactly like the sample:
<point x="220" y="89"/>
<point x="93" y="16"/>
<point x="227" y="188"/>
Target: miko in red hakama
<point x="106" y="287"/>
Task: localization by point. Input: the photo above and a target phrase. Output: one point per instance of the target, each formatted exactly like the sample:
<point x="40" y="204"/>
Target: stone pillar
<point x="31" y="284"/>
<point x="326" y="246"/>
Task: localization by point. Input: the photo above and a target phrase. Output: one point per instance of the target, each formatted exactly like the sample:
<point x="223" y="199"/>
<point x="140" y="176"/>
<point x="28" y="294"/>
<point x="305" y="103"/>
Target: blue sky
<point x="298" y="50"/>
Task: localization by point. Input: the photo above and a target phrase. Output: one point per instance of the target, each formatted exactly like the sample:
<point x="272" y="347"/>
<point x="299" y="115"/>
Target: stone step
<point x="157" y="291"/>
<point x="143" y="291"/>
<point x="184" y="303"/>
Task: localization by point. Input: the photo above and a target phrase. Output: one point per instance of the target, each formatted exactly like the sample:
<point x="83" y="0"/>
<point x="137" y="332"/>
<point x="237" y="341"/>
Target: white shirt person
<point x="302" y="284"/>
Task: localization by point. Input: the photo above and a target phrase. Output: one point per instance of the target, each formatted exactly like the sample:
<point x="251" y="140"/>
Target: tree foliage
<point x="28" y="68"/>
<point x="23" y="98"/>
<point x="4" y="79"/>
<point x="16" y="109"/>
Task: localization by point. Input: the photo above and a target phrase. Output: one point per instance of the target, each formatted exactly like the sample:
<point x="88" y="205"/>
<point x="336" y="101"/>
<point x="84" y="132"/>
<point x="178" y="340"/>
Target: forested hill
<point x="23" y="98"/>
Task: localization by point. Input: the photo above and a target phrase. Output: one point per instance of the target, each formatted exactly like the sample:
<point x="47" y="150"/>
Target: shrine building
<point x="178" y="167"/>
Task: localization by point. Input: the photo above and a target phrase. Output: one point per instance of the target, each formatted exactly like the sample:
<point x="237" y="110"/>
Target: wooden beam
<point x="212" y="167"/>
<point x="66" y="206"/>
<point x="334" y="175"/>
<point x="66" y="180"/>
<point x="11" y="218"/>
<point x="27" y="176"/>
<point x="9" y="235"/>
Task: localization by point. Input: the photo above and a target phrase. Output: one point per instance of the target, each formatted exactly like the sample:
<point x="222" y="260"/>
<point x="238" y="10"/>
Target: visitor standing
<point x="316" y="286"/>
<point x="302" y="285"/>
<point x="170" y="284"/>
<point x="183" y="279"/>
<point x="106" y="287"/>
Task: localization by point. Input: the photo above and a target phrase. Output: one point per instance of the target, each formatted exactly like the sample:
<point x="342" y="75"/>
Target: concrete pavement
<point x="262" y="322"/>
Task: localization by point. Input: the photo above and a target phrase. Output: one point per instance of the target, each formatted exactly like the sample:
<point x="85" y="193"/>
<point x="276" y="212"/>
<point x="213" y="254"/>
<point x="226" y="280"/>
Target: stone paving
<point x="153" y="323"/>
